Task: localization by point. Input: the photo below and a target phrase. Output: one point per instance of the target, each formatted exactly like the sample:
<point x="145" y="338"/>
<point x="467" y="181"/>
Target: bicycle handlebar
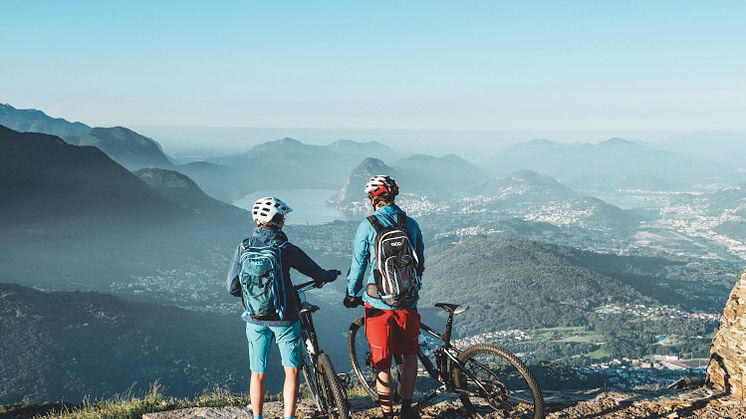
<point x="304" y="286"/>
<point x="311" y="284"/>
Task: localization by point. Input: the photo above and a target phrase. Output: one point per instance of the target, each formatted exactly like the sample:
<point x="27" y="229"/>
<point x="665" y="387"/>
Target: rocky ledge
<point x="697" y="403"/>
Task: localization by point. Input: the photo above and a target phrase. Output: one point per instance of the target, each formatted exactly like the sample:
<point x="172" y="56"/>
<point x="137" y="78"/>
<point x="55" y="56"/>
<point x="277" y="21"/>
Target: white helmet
<point x="381" y="184"/>
<point x="266" y="208"/>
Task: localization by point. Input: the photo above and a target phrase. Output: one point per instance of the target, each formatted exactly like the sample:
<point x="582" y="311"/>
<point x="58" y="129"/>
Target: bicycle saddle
<point x="452" y="308"/>
<point x="309" y="308"/>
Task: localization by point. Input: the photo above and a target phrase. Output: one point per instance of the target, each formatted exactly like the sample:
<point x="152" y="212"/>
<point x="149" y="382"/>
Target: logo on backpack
<point x="262" y="280"/>
<point x="396" y="273"/>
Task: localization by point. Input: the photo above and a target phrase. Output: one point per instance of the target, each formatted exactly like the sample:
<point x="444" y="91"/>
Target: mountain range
<point x="47" y="181"/>
<point x="126" y="147"/>
<point x="608" y="165"/>
<point x="526" y="185"/>
<point x="719" y="147"/>
<point x="183" y="191"/>
<point x="436" y="177"/>
<point x="90" y="210"/>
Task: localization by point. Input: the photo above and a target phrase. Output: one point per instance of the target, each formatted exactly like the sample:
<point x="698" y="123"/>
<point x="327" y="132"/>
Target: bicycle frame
<point x="446" y="359"/>
<point x="310" y="338"/>
<point x="308" y="330"/>
<point x="453" y="370"/>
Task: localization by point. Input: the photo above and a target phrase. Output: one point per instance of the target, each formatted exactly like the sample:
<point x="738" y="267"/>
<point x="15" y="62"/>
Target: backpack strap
<point x="401" y="221"/>
<point x="375" y="223"/>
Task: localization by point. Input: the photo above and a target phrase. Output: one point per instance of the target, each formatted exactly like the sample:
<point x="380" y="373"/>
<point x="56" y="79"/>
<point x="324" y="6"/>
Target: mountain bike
<point x="318" y="372"/>
<point x="489" y="379"/>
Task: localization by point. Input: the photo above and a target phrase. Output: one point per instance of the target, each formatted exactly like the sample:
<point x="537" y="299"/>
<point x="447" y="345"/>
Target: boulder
<point x="727" y="368"/>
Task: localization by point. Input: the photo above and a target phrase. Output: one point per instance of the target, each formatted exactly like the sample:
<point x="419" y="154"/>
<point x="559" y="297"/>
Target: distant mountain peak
<point x="371" y="165"/>
<point x="278" y="145"/>
<point x="525" y="183"/>
<point x="343" y="141"/>
<point x="616" y="141"/>
<point x="353" y="189"/>
<point x="526" y="173"/>
<point x="360" y="148"/>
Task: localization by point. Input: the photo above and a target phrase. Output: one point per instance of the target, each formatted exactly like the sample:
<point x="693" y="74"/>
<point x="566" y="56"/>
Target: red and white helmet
<point x="266" y="208"/>
<point x="380" y="184"/>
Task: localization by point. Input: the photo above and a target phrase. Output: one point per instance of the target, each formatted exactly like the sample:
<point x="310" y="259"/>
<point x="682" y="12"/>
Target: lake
<point x="309" y="205"/>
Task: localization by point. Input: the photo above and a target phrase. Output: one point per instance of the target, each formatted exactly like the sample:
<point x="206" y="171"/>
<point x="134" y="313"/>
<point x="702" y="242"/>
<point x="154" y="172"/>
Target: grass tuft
<point x="133" y="406"/>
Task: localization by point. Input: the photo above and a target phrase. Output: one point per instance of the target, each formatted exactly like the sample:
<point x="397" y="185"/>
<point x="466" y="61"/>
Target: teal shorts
<point x="260" y="342"/>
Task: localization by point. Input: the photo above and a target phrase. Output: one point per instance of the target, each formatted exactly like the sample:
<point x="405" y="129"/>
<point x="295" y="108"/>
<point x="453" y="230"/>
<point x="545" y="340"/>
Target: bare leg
<point x="290" y="390"/>
<point x="256" y="392"/>
<point x="409" y="376"/>
<point x="384" y="390"/>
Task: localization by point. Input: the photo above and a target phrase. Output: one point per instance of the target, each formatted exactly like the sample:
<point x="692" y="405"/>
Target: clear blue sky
<point x="542" y="66"/>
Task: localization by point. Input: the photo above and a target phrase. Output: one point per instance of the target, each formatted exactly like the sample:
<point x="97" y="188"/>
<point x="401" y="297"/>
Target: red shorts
<point x="391" y="332"/>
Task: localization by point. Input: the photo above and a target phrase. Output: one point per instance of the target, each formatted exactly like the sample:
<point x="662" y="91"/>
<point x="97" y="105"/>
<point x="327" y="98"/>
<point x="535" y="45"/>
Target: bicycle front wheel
<point x="331" y="389"/>
<point x="309" y="375"/>
<point x="493" y="382"/>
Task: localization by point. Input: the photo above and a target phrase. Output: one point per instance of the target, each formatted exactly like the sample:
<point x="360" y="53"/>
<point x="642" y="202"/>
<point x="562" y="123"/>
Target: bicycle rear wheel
<point x="360" y="359"/>
<point x="495" y="383"/>
<point x="331" y="389"/>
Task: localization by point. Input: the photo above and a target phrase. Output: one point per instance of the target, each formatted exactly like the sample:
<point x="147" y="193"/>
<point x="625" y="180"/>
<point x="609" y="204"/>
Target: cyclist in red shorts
<point x="390" y="243"/>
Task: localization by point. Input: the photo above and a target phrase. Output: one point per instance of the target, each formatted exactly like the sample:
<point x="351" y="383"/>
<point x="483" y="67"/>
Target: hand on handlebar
<point x="352" y="301"/>
<point x="334" y="274"/>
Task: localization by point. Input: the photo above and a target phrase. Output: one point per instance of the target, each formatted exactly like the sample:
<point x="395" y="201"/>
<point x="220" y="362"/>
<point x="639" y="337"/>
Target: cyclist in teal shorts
<point x="271" y="306"/>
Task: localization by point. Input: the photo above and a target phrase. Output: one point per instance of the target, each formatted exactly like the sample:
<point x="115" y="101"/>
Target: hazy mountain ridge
<point x="50" y="181"/>
<point x="185" y="192"/>
<point x="33" y="120"/>
<point x="91" y="210"/>
<point x="125" y="146"/>
<point x="718" y="146"/>
<point x="417" y="175"/>
<point x="443" y="176"/>
<point x="352" y="190"/>
<point x="615" y="163"/>
<point x="221" y="182"/>
<point x="357" y="149"/>
<point x="528" y="184"/>
<point x="291" y="164"/>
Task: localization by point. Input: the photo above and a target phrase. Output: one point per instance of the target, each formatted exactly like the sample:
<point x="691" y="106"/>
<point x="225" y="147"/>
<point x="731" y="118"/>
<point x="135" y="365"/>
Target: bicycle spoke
<point x="495" y="387"/>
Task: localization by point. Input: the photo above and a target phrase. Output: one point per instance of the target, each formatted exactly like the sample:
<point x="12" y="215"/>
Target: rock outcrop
<point x="727" y="369"/>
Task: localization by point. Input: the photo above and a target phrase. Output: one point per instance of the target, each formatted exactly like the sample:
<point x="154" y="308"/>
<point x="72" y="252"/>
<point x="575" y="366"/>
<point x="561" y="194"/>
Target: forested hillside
<point x="528" y="284"/>
<point x="65" y="345"/>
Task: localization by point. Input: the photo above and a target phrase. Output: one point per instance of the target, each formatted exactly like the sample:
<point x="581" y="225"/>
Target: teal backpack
<point x="262" y="280"/>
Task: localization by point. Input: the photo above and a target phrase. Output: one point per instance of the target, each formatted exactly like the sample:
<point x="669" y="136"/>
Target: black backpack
<point x="396" y="272"/>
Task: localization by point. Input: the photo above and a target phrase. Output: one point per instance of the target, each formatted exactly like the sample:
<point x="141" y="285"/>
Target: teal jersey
<point x="364" y="254"/>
